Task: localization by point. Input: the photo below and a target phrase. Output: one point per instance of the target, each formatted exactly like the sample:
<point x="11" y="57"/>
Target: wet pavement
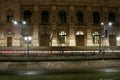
<point x="95" y="74"/>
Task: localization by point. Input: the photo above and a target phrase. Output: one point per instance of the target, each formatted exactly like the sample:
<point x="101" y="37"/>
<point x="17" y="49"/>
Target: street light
<point x="106" y="28"/>
<point x="27" y="40"/>
<point x="20" y="24"/>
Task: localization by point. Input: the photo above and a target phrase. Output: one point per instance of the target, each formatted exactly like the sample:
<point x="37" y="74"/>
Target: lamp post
<point x="106" y="28"/>
<point x="27" y="40"/>
<point x="20" y="24"/>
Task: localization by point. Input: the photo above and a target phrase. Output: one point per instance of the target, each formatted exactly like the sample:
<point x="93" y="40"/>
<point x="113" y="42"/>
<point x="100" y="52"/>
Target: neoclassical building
<point x="60" y="22"/>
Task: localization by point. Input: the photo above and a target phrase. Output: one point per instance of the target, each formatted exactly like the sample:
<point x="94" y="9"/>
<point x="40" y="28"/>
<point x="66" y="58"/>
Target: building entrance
<point x="45" y="39"/>
<point x="79" y="38"/>
<point x="9" y="41"/>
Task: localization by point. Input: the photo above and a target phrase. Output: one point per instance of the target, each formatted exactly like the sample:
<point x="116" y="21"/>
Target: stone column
<point x="35" y="21"/>
<point x="89" y="37"/>
<point x="72" y="41"/>
<point x="54" y="26"/>
<point x="17" y="39"/>
<point x="88" y="20"/>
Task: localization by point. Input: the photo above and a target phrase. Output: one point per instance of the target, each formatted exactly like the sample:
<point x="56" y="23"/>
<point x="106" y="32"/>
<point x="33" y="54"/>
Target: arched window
<point x="62" y="37"/>
<point x="45" y="17"/>
<point x="62" y="17"/>
<point x="96" y="37"/>
<point x="96" y="18"/>
<point x="112" y="17"/>
<point x="9" y="15"/>
<point x="27" y="16"/>
<point x="79" y="16"/>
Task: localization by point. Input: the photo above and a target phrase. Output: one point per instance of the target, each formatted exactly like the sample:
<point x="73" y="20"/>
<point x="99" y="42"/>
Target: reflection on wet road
<point x="101" y="74"/>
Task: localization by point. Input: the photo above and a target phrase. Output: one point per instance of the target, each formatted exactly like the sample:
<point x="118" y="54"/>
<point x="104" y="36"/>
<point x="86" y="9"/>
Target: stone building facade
<point x="60" y="22"/>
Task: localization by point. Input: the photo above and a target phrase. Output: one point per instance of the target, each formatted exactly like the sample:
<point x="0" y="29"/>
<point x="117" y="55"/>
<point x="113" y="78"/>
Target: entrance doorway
<point x="9" y="41"/>
<point x="45" y="39"/>
<point x="79" y="38"/>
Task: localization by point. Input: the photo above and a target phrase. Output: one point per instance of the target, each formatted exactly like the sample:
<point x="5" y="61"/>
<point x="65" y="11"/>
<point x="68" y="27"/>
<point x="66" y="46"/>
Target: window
<point x="27" y="16"/>
<point x="96" y="37"/>
<point x="112" y="17"/>
<point x="96" y="18"/>
<point x="62" y="17"/>
<point x="45" y="17"/>
<point x="9" y="18"/>
<point x="79" y="16"/>
<point x="62" y="37"/>
<point x="9" y="15"/>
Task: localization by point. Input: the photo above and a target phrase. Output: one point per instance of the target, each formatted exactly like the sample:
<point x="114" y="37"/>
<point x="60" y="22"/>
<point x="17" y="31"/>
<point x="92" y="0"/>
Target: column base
<point x="35" y="43"/>
<point x="106" y="42"/>
<point x="89" y="43"/>
<point x="72" y="42"/>
<point x="54" y="42"/>
<point x="16" y="43"/>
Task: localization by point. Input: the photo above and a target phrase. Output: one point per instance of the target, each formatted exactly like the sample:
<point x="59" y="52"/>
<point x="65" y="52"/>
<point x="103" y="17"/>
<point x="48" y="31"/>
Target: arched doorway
<point x="79" y="38"/>
<point x="45" y="39"/>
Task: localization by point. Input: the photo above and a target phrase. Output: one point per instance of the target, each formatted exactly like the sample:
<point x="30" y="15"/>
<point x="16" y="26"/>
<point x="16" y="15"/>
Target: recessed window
<point x="62" y="17"/>
<point x="96" y="18"/>
<point x="9" y="18"/>
<point x="45" y="17"/>
<point x="27" y="16"/>
<point x="112" y="17"/>
<point x="79" y="16"/>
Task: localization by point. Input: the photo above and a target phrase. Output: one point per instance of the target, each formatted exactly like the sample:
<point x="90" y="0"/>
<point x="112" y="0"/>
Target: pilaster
<point x="72" y="41"/>
<point x="17" y="38"/>
<point x="105" y="15"/>
<point x="54" y="26"/>
<point x="35" y="21"/>
<point x="88" y="18"/>
<point x="89" y="37"/>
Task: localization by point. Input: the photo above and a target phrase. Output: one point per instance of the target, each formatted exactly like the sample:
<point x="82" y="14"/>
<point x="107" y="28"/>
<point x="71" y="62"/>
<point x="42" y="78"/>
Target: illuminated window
<point x="62" y="17"/>
<point x="96" y="37"/>
<point x="45" y="17"/>
<point x="62" y="37"/>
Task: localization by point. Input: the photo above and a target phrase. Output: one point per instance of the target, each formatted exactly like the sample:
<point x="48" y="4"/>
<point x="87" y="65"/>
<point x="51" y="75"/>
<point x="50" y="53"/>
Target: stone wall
<point x="59" y="65"/>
